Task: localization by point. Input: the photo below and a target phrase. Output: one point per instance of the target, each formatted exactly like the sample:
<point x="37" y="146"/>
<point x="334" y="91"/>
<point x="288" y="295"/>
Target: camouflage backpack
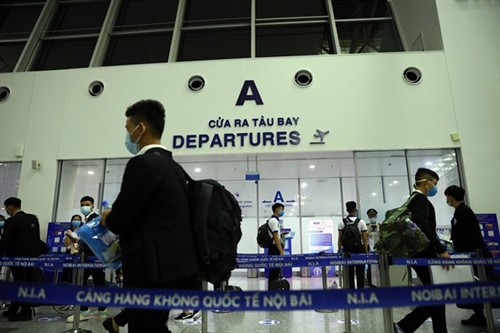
<point x="399" y="236"/>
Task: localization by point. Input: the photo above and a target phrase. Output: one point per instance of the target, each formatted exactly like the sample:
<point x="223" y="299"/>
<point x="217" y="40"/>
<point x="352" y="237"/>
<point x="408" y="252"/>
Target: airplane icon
<point x="321" y="135"/>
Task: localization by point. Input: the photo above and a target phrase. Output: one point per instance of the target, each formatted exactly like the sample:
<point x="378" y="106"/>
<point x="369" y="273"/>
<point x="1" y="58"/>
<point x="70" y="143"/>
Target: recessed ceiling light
<point x="90" y="172"/>
<point x="428" y="163"/>
<point x="395" y="182"/>
<point x="303" y="185"/>
<point x="390" y="184"/>
<point x="197" y="170"/>
<point x="374" y="194"/>
<point x="312" y="166"/>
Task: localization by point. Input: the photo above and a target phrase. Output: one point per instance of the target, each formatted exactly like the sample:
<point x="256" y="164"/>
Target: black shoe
<point x="474" y="320"/>
<point x="20" y="317"/>
<point x="8" y="313"/>
<point x="108" y="325"/>
<point x="184" y="316"/>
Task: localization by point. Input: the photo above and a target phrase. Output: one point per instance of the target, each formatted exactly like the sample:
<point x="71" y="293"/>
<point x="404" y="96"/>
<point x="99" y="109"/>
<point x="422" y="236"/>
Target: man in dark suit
<point x="466" y="236"/>
<point x="21" y="238"/>
<point x="98" y="275"/>
<point x="151" y="215"/>
<point x="424" y="215"/>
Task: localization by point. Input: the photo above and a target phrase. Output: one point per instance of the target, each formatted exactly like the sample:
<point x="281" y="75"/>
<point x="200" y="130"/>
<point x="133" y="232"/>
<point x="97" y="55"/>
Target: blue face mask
<point x="76" y="224"/>
<point x="433" y="191"/>
<point x="373" y="220"/>
<point x="2" y="223"/>
<point x="281" y="213"/>
<point x="132" y="147"/>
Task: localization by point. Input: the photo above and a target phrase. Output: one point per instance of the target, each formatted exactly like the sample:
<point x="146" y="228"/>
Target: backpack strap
<point x="409" y="199"/>
<point x="268" y="227"/>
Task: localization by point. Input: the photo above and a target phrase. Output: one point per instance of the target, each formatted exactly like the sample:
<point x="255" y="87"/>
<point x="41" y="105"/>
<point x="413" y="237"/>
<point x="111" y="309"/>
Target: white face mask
<point x="85" y="210"/>
<point x="373" y="220"/>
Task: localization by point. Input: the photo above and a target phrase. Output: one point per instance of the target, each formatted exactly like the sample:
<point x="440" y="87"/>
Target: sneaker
<point x="183" y="316"/>
<point x="101" y="314"/>
<point x="474" y="320"/>
<point x="84" y="315"/>
<point x="196" y="314"/>
<point x="66" y="308"/>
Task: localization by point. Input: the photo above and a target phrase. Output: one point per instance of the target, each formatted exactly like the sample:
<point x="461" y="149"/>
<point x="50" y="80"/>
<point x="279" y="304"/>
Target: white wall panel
<point x="472" y="43"/>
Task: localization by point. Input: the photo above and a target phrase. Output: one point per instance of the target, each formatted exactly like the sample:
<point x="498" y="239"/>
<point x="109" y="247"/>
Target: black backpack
<point x="215" y="218"/>
<point x="351" y="236"/>
<point x="216" y="225"/>
<point x="263" y="238"/>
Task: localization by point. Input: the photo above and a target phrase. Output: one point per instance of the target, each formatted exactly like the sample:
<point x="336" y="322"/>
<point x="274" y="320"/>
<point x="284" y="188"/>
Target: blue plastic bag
<point x="102" y="242"/>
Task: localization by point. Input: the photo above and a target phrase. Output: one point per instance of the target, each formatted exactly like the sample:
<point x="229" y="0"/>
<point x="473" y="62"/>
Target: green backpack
<point x="399" y="236"/>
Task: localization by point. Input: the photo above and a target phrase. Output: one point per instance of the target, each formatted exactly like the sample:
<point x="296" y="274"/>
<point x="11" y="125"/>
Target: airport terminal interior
<point x="74" y="35"/>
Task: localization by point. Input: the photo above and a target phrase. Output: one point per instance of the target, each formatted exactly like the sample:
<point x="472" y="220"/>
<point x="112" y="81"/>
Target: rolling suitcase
<point x="280" y="284"/>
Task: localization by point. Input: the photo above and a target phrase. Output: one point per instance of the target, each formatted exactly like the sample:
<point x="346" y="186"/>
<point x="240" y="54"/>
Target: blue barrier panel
<point x="252" y="300"/>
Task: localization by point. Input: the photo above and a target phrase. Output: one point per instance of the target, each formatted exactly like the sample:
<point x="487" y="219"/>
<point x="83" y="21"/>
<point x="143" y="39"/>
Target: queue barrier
<point x="384" y="297"/>
<point x="157" y="299"/>
<point x="255" y="261"/>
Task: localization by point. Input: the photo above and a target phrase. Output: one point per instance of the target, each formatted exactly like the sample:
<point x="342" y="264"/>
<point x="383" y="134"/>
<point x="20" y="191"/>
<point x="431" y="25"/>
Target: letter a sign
<point x="249" y="92"/>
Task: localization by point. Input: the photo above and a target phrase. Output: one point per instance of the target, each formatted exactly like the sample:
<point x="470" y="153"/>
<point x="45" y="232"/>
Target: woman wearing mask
<point x="71" y="242"/>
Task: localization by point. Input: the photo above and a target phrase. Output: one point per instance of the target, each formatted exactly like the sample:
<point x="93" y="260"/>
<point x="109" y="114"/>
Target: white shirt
<point x="274" y="225"/>
<point x="361" y="224"/>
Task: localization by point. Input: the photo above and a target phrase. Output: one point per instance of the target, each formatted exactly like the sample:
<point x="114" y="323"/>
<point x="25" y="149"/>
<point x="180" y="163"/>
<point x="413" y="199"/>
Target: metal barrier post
<point x="385" y="281"/>
<point x="204" y="315"/>
<point x="481" y="270"/>
<point x="76" y="308"/>
<point x="347" y="312"/>
<point x="325" y="286"/>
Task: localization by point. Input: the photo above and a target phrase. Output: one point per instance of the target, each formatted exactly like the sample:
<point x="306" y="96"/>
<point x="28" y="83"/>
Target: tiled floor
<point x="369" y="320"/>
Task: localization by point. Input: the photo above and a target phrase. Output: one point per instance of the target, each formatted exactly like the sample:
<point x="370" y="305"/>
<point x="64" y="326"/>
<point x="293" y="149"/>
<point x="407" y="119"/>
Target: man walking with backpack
<point x="151" y="216"/>
<point x="353" y="238"/>
<point x="424" y="216"/>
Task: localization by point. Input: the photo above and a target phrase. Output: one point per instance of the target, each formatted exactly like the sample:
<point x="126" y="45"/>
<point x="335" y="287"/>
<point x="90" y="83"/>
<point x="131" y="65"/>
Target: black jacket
<point x="151" y="216"/>
<point x="424" y="216"/>
<point x="465" y="231"/>
<point x="21" y="236"/>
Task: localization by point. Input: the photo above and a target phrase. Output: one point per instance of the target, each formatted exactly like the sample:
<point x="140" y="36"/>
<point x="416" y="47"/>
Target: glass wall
<point x="313" y="187"/>
<point x="16" y="23"/>
<point x="76" y="180"/>
<point x="76" y="34"/>
<point x="10" y="173"/>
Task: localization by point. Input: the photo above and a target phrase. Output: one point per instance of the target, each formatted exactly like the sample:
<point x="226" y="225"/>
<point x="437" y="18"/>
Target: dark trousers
<point x="22" y="274"/>
<point x="121" y="319"/>
<point x="152" y="321"/>
<point x="360" y="276"/>
<point x="99" y="281"/>
<point x="412" y="321"/>
<point x="274" y="273"/>
<point x="360" y="271"/>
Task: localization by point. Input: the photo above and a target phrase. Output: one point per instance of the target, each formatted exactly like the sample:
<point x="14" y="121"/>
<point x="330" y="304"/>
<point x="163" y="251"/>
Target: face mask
<point x="2" y="223"/>
<point x="132" y="147"/>
<point x="76" y="224"/>
<point x="373" y="220"/>
<point x="85" y="210"/>
<point x="433" y="191"/>
<point x="281" y="213"/>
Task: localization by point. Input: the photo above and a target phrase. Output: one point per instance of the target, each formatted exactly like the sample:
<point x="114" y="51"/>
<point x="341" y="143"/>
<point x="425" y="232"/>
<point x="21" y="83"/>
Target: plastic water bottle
<point x="105" y="205"/>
